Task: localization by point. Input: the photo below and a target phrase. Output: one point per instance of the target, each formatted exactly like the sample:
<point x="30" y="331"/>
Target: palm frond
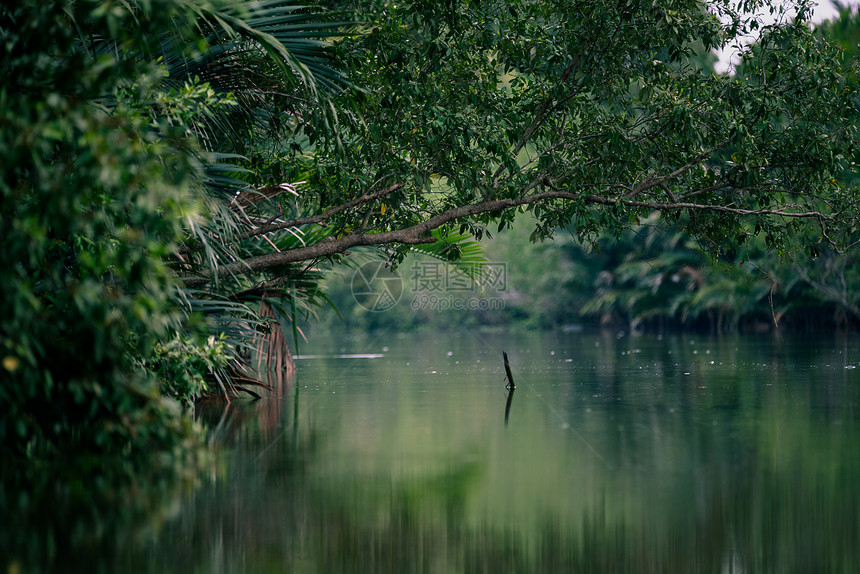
<point x="460" y="252"/>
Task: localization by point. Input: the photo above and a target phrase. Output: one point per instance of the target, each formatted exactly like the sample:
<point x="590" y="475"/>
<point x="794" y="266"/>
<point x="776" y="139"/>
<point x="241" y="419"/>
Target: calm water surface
<point x="614" y="454"/>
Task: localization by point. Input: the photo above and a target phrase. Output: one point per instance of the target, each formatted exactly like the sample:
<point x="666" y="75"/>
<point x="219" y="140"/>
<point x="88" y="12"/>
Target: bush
<point x="93" y="193"/>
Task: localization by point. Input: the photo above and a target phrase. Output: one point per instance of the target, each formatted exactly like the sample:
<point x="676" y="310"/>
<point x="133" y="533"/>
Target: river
<point x="407" y="453"/>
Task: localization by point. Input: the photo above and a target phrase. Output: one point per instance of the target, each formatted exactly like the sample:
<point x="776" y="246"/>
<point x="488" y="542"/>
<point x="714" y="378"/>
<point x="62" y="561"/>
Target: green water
<point x="619" y="454"/>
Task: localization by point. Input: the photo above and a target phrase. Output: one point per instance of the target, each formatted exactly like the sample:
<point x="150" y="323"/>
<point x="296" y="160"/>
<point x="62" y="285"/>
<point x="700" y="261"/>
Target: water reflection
<point x="508" y="403"/>
<point x="639" y="456"/>
<point x="66" y="519"/>
<point x="631" y="455"/>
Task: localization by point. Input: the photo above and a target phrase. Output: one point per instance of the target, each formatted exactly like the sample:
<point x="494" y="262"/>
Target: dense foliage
<point x="120" y="127"/>
<point x="93" y="201"/>
<point x="591" y="116"/>
<point x="175" y="171"/>
<point x="662" y="272"/>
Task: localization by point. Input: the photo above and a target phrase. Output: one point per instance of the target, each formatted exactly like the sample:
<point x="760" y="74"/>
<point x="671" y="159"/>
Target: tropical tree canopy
<point x="121" y="125"/>
<point x="591" y="115"/>
<point x="174" y="171"/>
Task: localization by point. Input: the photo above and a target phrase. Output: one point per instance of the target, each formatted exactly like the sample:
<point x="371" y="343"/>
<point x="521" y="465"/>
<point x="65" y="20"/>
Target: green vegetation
<point x="655" y="279"/>
<point x="661" y="272"/>
<point x="94" y="197"/>
<point x="177" y="176"/>
<point x="121" y="124"/>
<point x="650" y="278"/>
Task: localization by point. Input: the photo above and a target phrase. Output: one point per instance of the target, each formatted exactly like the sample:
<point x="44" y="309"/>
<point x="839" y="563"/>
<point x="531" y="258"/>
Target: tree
<point x="114" y="122"/>
<point x="173" y="159"/>
<point x="590" y="115"/>
<point x="93" y="202"/>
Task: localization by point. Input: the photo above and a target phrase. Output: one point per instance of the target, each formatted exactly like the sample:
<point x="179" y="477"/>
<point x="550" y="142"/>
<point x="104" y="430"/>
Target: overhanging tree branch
<point x="420" y="233"/>
<point x="590" y="126"/>
<point x="539" y="118"/>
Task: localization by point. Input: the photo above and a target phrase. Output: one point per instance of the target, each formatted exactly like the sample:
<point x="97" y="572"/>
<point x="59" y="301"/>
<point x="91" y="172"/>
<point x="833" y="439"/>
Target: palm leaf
<point x="459" y="252"/>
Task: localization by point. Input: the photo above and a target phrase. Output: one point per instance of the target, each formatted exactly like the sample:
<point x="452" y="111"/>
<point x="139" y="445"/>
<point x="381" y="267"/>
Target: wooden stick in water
<point x="511" y="392"/>
<point x="508" y="372"/>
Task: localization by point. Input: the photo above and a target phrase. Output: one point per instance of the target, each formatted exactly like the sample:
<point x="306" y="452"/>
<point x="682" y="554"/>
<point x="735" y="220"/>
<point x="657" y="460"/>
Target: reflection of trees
<point x="773" y="493"/>
<point x="748" y="474"/>
<point x="67" y="519"/>
<point x="743" y="517"/>
<point x="760" y="520"/>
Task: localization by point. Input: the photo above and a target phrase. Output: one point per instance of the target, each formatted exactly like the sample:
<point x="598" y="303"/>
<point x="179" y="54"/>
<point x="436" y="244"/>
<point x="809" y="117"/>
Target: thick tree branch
<point x="420" y="233"/>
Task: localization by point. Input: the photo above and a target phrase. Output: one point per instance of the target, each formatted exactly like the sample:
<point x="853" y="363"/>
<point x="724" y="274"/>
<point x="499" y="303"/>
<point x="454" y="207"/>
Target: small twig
<point x="510" y="377"/>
